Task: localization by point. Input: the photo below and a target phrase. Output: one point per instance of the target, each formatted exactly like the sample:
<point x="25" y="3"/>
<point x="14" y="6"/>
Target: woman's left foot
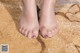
<point x="48" y="22"/>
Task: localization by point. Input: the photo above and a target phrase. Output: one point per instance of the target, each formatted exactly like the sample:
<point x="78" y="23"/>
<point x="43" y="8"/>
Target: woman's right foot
<point x="29" y="25"/>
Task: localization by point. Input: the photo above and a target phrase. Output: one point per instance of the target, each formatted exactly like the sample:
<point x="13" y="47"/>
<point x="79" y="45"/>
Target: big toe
<point x="35" y="33"/>
<point x="44" y="32"/>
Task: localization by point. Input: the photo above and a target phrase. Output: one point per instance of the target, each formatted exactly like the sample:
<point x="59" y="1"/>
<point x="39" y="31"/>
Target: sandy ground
<point x="67" y="40"/>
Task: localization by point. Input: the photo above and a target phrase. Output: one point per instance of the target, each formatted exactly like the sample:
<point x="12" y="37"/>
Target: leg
<point x="28" y="20"/>
<point x="48" y="23"/>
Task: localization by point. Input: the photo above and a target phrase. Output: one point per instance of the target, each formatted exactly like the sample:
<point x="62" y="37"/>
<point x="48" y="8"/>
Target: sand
<point x="67" y="40"/>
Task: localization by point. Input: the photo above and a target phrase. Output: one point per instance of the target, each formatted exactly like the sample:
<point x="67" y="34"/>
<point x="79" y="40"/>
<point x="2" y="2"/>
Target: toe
<point x="50" y="34"/>
<point x="25" y="32"/>
<point x="54" y="31"/>
<point x="35" y="33"/>
<point x="21" y="29"/>
<point x="30" y="34"/>
<point x="44" y="32"/>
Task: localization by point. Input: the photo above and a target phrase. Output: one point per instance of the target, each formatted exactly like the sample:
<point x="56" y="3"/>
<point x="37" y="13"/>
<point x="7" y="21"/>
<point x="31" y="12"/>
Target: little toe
<point x="20" y="29"/>
<point x="54" y="31"/>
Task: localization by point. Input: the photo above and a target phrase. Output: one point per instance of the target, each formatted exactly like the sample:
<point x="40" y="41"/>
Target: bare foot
<point x="29" y="25"/>
<point x="48" y="22"/>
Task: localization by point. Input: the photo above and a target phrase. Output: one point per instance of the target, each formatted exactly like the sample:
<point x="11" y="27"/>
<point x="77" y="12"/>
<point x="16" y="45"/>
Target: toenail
<point x="46" y="36"/>
<point x="33" y="36"/>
